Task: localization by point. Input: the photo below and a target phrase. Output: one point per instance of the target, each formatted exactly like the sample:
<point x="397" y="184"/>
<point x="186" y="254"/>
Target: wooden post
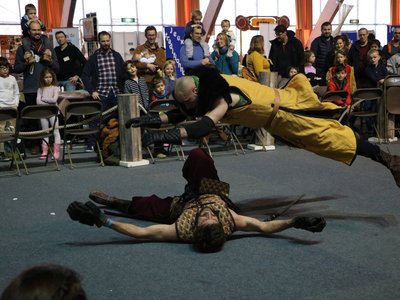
<point x="130" y="142"/>
<point x="263" y="139"/>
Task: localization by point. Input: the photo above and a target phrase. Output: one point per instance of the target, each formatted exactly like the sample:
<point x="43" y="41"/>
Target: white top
<point x="9" y="92"/>
<point x="48" y="95"/>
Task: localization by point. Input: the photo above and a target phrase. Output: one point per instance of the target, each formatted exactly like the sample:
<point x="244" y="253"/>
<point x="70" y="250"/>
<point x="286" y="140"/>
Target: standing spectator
<point x="393" y="46"/>
<point x="32" y="57"/>
<point x="103" y="77"/>
<point x="376" y="70"/>
<point x="341" y="43"/>
<point x="169" y="75"/>
<point x="199" y="57"/>
<point x="30" y="15"/>
<point x="358" y="57"/>
<point x="48" y="94"/>
<point x="149" y="71"/>
<point x="71" y="62"/>
<point x="9" y="97"/>
<point x="226" y="61"/>
<point x="341" y="59"/>
<point x="196" y="21"/>
<point x="322" y="46"/>
<point x="136" y="84"/>
<point x="286" y="50"/>
<point x="256" y="60"/>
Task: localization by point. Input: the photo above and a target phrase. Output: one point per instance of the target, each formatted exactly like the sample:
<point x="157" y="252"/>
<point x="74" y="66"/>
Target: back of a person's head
<point x="209" y="238"/>
<point x="4" y="62"/>
<point x="45" y="282"/>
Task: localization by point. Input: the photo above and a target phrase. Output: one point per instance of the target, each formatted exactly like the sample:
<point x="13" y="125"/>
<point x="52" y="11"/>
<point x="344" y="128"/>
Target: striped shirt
<point x="107" y="73"/>
<point x="138" y="87"/>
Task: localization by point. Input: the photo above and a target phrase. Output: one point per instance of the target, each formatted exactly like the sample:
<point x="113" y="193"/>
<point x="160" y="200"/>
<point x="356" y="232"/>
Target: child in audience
<point x="376" y="70"/>
<point x="339" y="82"/>
<point x="169" y="75"/>
<point x="309" y="60"/>
<point x="9" y="97"/>
<point x="146" y="57"/>
<point x="293" y="71"/>
<point x="48" y="94"/>
<point x="341" y="59"/>
<point x="30" y="14"/>
<point x="136" y="84"/>
<point x="159" y="90"/>
<point x="196" y="20"/>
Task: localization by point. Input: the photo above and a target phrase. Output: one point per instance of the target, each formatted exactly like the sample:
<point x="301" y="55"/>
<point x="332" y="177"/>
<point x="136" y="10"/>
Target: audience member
<point x="30" y="15"/>
<point x="339" y="82"/>
<point x="48" y="94"/>
<point x="286" y="50"/>
<point x="9" y="97"/>
<point x="103" y="77"/>
<point x="147" y="58"/>
<point x="341" y="59"/>
<point x="225" y="26"/>
<point x="310" y="71"/>
<point x="32" y="57"/>
<point x="199" y="56"/>
<point x="340" y="44"/>
<point x="189" y="48"/>
<point x="376" y="70"/>
<point x="358" y="57"/>
<point x="169" y="75"/>
<point x="256" y="61"/>
<point x="136" y="84"/>
<point x="393" y="64"/>
<point x="71" y="62"/>
<point x="293" y="71"/>
<point x="159" y="90"/>
<point x="226" y="60"/>
<point x="393" y="46"/>
<point x="149" y="70"/>
<point x="44" y="282"/>
<point x="322" y="46"/>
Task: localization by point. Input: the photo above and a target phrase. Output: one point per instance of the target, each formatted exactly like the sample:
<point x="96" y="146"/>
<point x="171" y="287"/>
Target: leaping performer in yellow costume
<point x="293" y="113"/>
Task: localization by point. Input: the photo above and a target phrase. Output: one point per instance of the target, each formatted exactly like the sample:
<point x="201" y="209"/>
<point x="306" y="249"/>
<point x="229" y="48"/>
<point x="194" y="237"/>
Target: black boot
<point x="110" y="202"/>
<point x="392" y="162"/>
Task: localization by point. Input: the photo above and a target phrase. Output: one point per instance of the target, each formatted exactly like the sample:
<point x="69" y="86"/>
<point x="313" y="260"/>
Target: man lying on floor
<point x="202" y="215"/>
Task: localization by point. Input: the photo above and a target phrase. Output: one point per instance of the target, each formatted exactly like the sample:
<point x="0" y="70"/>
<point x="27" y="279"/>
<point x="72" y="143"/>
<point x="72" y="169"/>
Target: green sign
<point x="128" y="20"/>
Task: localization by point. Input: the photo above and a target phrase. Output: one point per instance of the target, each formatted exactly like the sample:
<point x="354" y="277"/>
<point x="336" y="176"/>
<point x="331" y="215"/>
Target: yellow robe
<point x="325" y="137"/>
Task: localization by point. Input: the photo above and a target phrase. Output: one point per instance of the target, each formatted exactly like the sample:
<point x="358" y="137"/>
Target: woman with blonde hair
<point x="256" y="61"/>
<point x="227" y="61"/>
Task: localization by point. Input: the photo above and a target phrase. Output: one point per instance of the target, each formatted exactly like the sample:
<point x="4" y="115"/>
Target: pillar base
<point x="130" y="164"/>
<point x="255" y="147"/>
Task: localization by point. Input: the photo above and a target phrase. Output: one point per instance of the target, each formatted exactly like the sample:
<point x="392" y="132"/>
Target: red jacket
<point x="334" y="85"/>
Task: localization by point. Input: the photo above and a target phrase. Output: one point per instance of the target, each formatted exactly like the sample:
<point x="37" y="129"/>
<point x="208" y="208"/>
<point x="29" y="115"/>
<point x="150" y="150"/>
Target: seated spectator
<point x="339" y="82"/>
<point x="226" y="60"/>
<point x="159" y="90"/>
<point x="341" y="59"/>
<point x="256" y="61"/>
<point x="45" y="282"/>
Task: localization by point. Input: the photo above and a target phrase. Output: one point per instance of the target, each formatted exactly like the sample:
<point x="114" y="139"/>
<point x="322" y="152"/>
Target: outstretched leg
<point x="392" y="162"/>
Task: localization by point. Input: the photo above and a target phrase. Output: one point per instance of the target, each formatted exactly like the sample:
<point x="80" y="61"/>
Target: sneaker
<point x="161" y="155"/>
<point x="89" y="149"/>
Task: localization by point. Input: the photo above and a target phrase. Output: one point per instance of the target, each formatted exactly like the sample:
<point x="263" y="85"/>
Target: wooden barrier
<point x="130" y="142"/>
<point x="263" y="139"/>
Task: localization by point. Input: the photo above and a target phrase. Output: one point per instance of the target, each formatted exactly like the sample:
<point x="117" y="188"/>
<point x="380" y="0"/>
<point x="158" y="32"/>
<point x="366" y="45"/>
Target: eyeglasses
<point x="278" y="33"/>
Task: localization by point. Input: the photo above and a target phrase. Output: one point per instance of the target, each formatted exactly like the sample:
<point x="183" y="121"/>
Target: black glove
<point x="149" y="120"/>
<point x="313" y="224"/>
<point x="172" y="136"/>
<point x="87" y="213"/>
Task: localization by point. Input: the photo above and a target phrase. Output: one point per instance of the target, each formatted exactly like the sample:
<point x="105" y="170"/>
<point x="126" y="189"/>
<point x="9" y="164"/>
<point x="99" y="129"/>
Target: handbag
<point x="249" y="74"/>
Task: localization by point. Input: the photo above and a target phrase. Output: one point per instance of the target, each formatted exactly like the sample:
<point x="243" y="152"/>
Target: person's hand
<point x="47" y="55"/>
<point x="88" y="214"/>
<point x="205" y="61"/>
<point x="29" y="58"/>
<point x="74" y="79"/>
<point x="172" y="136"/>
<point x="96" y="96"/>
<point x="313" y="224"/>
<point x="149" y="120"/>
<point x="151" y="67"/>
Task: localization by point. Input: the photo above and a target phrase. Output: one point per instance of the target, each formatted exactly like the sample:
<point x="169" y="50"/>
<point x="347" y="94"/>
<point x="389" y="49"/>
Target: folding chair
<point x="332" y="96"/>
<point x="11" y="114"/>
<point x="392" y="101"/>
<point x="357" y="110"/>
<point x="37" y="112"/>
<point x="90" y="112"/>
<point x="163" y="105"/>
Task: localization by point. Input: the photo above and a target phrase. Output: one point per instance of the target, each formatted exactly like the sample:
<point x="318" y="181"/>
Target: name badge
<point x="66" y="58"/>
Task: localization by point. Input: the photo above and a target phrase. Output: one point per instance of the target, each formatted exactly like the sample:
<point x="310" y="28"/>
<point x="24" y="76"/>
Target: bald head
<point x="186" y="91"/>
